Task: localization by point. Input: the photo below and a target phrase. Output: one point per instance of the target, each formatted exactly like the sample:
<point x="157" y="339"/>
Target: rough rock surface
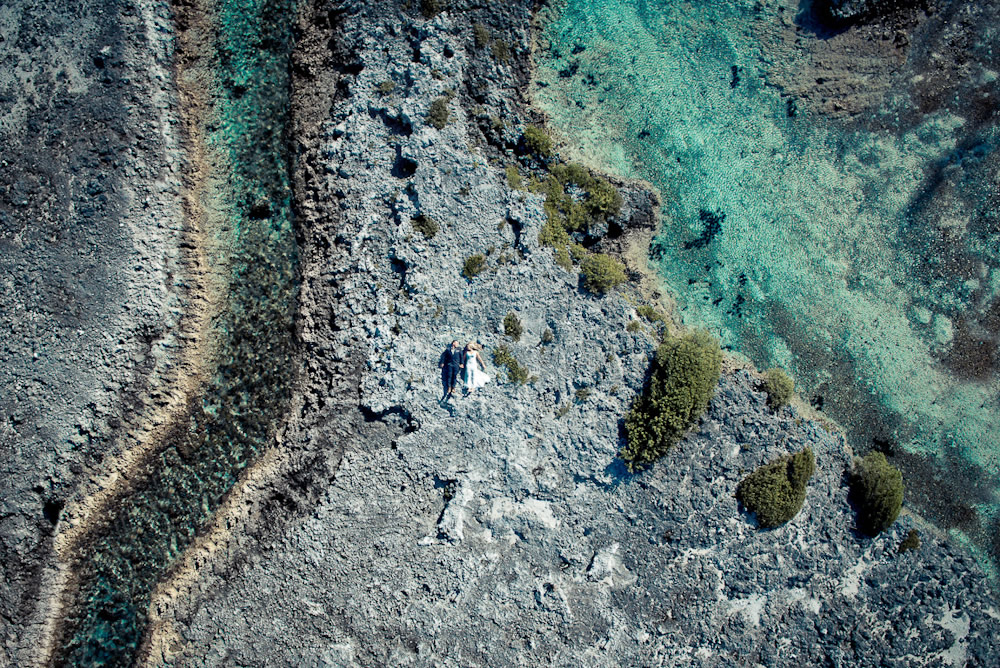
<point x="393" y="530"/>
<point x="89" y="256"/>
<point x="841" y="12"/>
<point x="501" y="530"/>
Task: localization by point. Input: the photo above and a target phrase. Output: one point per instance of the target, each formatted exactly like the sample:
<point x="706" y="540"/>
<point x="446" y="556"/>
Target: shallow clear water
<point x="799" y="241"/>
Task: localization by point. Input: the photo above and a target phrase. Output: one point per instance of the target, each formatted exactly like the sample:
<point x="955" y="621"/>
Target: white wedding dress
<point x="475" y="376"/>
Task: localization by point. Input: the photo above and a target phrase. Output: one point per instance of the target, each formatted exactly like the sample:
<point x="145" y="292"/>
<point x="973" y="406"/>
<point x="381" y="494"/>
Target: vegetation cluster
<point x="512" y="326"/>
<point x="877" y="492"/>
<point x="426" y="225"/>
<point x="682" y="381"/>
<point x="438" y="115"/>
<point x="474" y="265"/>
<point x="776" y="491"/>
<point x="779" y="387"/>
<point x="503" y="356"/>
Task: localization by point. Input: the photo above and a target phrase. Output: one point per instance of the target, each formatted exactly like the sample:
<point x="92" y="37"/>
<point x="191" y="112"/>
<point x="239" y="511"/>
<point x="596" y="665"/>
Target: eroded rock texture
<point x="386" y="528"/>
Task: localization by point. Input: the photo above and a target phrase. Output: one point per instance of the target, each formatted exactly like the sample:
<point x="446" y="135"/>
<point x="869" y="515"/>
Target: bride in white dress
<point x="475" y="368"/>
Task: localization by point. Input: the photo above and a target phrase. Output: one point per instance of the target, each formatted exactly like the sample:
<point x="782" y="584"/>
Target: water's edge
<point x="237" y="57"/>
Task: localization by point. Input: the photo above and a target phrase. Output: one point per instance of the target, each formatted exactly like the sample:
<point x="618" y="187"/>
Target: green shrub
<point x="603" y="199"/>
<point x="512" y="326"/>
<point x="514" y="177"/>
<point x="438" y="114"/>
<point x="877" y="492"/>
<point x="563" y="259"/>
<point x="502" y="356"/>
<point x="426" y="225"/>
<point x="474" y="264"/>
<point x="682" y="380"/>
<point x="572" y="172"/>
<point x="582" y="394"/>
<point x="911" y="542"/>
<point x="650" y="314"/>
<point x="776" y="491"/>
<point x="538" y="141"/>
<point x="548" y="336"/>
<point x="779" y="387"/>
<point x="501" y="51"/>
<point x="553" y="234"/>
<point x="431" y="8"/>
<point x="633" y="326"/>
<point x="561" y="209"/>
<point x="386" y="87"/>
<point x="481" y="35"/>
<point x="601" y="273"/>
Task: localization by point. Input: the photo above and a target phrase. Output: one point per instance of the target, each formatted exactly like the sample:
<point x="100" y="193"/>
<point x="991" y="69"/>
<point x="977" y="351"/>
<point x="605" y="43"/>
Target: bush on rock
<point x="776" y="491"/>
<point x="502" y="356"/>
<point x="538" y="141"/>
<point x="601" y="273"/>
<point x="682" y="381"/>
<point x="877" y="492"/>
<point x="779" y="387"/>
<point x="474" y="265"/>
<point x="438" y="114"/>
<point x="512" y="326"/>
<point x="426" y="225"/>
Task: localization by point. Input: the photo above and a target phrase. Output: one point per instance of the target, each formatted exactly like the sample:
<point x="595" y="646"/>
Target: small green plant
<point x="682" y="380"/>
<point x="438" y="114"/>
<point x="538" y="141"/>
<point x="602" y="273"/>
<point x="582" y="394"/>
<point x="514" y="177"/>
<point x="431" y="8"/>
<point x="776" y="491"/>
<point x="481" y="35"/>
<point x="474" y="265"/>
<point x="502" y="356"/>
<point x="426" y="225"/>
<point x="548" y="336"/>
<point x="779" y="387"/>
<point x="562" y="410"/>
<point x="386" y="87"/>
<point x="603" y="199"/>
<point x="650" y="314"/>
<point x="563" y="259"/>
<point x="633" y="326"/>
<point x="512" y="326"/>
<point x="911" y="542"/>
<point x="877" y="492"/>
<point x="501" y="51"/>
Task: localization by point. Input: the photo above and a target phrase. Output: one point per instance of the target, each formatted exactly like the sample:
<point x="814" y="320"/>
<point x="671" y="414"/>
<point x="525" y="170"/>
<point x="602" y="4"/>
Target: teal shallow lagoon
<point x="803" y="241"/>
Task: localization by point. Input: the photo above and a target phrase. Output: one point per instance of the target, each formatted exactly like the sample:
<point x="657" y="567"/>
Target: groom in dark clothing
<point x="452" y="361"/>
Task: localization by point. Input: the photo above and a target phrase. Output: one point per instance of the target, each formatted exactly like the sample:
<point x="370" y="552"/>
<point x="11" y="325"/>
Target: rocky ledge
<point x="501" y="529"/>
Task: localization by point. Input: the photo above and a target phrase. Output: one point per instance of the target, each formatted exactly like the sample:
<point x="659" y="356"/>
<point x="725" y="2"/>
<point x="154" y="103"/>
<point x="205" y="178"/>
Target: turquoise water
<point x="802" y="241"/>
<point x="223" y="431"/>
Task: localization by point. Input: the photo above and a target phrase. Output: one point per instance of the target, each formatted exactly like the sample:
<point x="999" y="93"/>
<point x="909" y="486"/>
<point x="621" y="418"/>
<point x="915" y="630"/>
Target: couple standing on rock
<point x="454" y="360"/>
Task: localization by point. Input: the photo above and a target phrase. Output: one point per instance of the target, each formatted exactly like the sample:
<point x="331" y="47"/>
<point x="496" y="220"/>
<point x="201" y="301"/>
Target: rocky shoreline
<point x="503" y="531"/>
<point x="388" y="529"/>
